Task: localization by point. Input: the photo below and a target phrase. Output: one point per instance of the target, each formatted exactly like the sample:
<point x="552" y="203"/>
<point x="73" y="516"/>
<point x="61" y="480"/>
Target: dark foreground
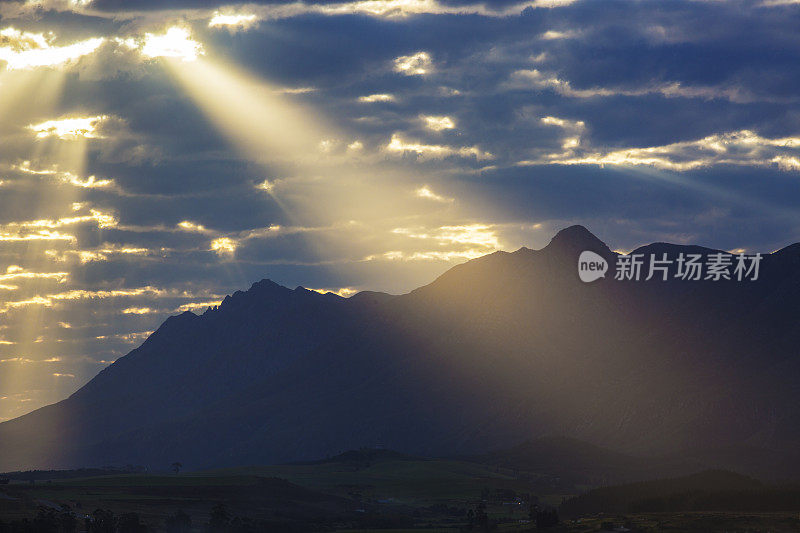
<point x="383" y="491"/>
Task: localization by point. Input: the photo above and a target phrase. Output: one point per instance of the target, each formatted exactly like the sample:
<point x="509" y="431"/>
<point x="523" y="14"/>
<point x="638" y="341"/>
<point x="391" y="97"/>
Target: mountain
<point x="499" y="350"/>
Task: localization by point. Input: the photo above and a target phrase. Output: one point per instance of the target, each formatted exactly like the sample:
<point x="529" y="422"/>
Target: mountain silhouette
<point x="497" y="351"/>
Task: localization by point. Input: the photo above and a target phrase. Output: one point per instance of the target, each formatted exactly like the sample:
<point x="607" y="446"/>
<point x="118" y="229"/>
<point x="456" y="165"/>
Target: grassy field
<point x="347" y="494"/>
<point x="373" y="493"/>
<point x="413" y="482"/>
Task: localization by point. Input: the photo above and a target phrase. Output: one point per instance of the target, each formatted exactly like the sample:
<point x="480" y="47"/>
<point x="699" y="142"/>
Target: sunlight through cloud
<point x="224" y="246"/>
<point x="235" y="21"/>
<point x="417" y="64"/>
<point x="70" y="128"/>
<point x="438" y="123"/>
<point x="25" y="50"/>
<point x="177" y="43"/>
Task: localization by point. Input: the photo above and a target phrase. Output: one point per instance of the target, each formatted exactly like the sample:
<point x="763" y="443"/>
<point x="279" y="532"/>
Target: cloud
<point x="51" y="299"/>
<point x="344" y="292"/>
<point x="551" y="35"/>
<point x="745" y="148"/>
<point x="417" y="64"/>
<point x="573" y="129"/>
<point x="233" y="21"/>
<point x="25" y="50"/>
<point x="434" y="151"/>
<point x="138" y="311"/>
<point x="70" y="128"/>
<point x="90" y="182"/>
<point x="224" y="246"/>
<point x="457" y="242"/>
<point x="536" y="79"/>
<point x="192" y="227"/>
<point x="16" y="273"/>
<point x="176" y="42"/>
<point x="102" y="253"/>
<point x="195" y="306"/>
<point x="438" y="123"/>
<point x="426" y="193"/>
<point x="377" y="98"/>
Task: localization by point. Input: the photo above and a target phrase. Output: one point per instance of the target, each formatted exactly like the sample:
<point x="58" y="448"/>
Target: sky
<point x="158" y="155"/>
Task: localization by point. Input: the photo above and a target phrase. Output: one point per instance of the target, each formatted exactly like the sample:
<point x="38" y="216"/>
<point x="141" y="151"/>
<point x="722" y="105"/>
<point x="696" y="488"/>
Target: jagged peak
<point x="265" y="284"/>
<point x="576" y="238"/>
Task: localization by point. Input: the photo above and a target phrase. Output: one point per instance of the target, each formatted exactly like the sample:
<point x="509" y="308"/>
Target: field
<point x="382" y="491"/>
<point x="344" y="494"/>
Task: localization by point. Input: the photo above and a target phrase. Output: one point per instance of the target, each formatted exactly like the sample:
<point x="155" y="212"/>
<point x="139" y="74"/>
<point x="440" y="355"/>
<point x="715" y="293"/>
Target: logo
<point x="717" y="266"/>
<point x="591" y="266"/>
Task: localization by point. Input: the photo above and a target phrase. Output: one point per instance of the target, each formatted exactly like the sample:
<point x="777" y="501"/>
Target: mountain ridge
<point x="498" y="350"/>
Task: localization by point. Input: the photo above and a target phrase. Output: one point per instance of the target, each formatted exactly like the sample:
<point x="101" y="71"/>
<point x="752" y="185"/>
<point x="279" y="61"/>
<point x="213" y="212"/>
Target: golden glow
<point x="432" y="255"/>
<point x="69" y="128"/>
<point x="428" y="194"/>
<point x="471" y="234"/>
<point x="266" y="185"/>
<point x="189" y="226"/>
<point x="224" y="246"/>
<point x="138" y="311"/>
<point x="742" y="147"/>
<point x="135" y="336"/>
<point x="14" y="272"/>
<point x="564" y="123"/>
<point x="240" y="21"/>
<point x="69" y="178"/>
<point x="438" y="123"/>
<point x="50" y="300"/>
<point x="417" y="64"/>
<point x="573" y="128"/>
<point x="344" y="292"/>
<point x="99" y="254"/>
<point x="377" y="98"/>
<point x="262" y="122"/>
<point x="24" y="50"/>
<point x="37" y="235"/>
<point x="177" y="43"/>
<point x="399" y="145"/>
<point x="192" y="306"/>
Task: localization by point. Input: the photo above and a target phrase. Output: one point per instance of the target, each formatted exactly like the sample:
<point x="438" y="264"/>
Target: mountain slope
<point x="498" y="350"/>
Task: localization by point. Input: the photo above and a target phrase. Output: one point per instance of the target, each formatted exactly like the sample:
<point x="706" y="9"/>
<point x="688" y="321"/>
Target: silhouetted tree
<point x="129" y="523"/>
<point x="544" y="518"/>
<point x="477" y="519"/>
<point x="180" y="522"/>
<point x="67" y="520"/>
<point x="103" y="521"/>
<point x="45" y="521"/>
<point x="219" y="520"/>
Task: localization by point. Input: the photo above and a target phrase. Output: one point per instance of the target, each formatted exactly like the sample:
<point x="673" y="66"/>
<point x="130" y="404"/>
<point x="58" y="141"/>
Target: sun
<point x="177" y="43"/>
